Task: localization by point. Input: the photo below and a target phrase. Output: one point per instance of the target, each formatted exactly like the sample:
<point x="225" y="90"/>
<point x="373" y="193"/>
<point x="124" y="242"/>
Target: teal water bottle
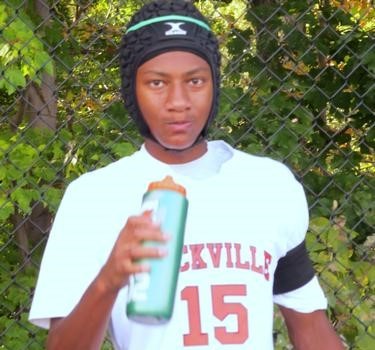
<point x="151" y="294"/>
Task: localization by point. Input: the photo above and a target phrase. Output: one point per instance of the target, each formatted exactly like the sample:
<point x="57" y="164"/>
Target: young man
<point x="244" y="240"/>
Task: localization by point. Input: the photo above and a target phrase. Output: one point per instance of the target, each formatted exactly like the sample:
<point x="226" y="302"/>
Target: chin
<point x="177" y="145"/>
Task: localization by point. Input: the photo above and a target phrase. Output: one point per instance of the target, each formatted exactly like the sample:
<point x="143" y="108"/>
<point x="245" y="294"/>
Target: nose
<point x="178" y="98"/>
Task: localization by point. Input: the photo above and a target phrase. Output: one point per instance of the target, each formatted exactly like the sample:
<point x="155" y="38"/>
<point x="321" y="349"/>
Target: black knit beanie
<point x="159" y="27"/>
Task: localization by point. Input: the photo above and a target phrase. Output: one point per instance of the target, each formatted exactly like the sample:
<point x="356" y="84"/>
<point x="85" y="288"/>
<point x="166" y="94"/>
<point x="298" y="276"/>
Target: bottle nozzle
<point x="167" y="184"/>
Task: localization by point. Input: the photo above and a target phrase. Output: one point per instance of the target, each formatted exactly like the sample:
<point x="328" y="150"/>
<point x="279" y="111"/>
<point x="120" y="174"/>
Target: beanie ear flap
<point x="159" y="27"/>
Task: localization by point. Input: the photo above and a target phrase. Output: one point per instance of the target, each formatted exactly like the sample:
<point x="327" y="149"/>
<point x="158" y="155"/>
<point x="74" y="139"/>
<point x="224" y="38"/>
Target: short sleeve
<point x="307" y="298"/>
<point x="306" y="295"/>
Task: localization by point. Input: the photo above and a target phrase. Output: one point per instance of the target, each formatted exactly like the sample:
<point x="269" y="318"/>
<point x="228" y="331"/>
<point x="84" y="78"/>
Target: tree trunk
<point x="40" y="103"/>
<point x="37" y="106"/>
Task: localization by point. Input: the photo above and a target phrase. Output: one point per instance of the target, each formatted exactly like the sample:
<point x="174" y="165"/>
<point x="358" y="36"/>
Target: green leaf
<point x="369" y="59"/>
<point x="122" y="149"/>
<point x="12" y="173"/>
<point x="4" y="49"/>
<point x="14" y="78"/>
<point x="23" y="156"/>
<point x="49" y="68"/>
<point x="364" y="342"/>
<point x="52" y="197"/>
<point x="23" y="197"/>
<point x="3" y="85"/>
<point x="319" y="225"/>
<point x="6" y="209"/>
<point x="42" y="60"/>
<point x="44" y="172"/>
<point x="4" y="145"/>
<point x="3" y="14"/>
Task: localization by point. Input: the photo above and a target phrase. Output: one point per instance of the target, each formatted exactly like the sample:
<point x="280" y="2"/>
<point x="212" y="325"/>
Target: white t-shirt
<point x="245" y="213"/>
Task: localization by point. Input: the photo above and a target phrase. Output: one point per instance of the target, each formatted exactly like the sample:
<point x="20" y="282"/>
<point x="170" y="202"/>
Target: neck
<point x="171" y="156"/>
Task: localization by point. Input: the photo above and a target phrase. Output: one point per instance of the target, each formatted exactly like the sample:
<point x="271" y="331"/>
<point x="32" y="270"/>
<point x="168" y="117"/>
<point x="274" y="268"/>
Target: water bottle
<point x="151" y="294"/>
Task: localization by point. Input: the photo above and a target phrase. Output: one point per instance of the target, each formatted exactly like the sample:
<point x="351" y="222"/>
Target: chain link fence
<point x="298" y="86"/>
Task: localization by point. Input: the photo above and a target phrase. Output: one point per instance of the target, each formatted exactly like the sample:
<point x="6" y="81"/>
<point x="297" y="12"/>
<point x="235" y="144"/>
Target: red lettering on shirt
<point x="267" y="262"/>
<point x="198" y="256"/>
<point x="254" y="267"/>
<point x="215" y="253"/>
<point x="228" y="247"/>
<point x="196" y="259"/>
<point x="239" y="264"/>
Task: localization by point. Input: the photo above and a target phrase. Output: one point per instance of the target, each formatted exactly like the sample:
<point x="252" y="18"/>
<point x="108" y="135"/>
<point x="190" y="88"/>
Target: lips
<point x="179" y="126"/>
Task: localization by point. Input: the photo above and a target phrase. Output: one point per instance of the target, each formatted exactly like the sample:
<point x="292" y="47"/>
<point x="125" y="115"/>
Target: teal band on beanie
<point x="168" y="18"/>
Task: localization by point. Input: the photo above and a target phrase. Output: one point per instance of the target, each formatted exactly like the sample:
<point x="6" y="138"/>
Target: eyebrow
<point x="191" y="72"/>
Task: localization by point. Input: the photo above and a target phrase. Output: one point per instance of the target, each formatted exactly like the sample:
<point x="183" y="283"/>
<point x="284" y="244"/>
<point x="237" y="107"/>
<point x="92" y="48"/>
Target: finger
<point x="138" y="268"/>
<point x="137" y="231"/>
<point x="147" y="252"/>
<point x="140" y="222"/>
<point x="148" y="233"/>
<point x="145" y="219"/>
<point x="147" y="214"/>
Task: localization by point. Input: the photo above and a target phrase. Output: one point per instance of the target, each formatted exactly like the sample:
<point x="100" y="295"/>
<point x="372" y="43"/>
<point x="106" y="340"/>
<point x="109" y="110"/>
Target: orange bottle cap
<point x="167" y="184"/>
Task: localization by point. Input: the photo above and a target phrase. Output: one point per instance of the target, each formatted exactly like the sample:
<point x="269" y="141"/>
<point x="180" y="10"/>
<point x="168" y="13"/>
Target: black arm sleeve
<point x="293" y="270"/>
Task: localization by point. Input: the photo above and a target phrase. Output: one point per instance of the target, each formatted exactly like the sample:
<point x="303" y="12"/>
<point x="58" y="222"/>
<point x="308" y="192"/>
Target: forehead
<point x="175" y="61"/>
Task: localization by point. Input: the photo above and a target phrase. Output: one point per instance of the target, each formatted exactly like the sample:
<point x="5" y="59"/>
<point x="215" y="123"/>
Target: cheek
<point x="204" y="101"/>
<point x="148" y="103"/>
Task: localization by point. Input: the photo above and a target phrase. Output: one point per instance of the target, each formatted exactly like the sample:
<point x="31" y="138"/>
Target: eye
<point x="196" y="81"/>
<point x="156" y="84"/>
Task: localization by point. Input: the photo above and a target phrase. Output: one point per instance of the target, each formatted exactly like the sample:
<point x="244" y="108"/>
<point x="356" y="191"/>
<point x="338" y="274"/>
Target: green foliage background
<point x="298" y="86"/>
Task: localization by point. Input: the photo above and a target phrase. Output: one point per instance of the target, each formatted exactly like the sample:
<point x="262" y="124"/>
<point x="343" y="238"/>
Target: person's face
<point x="174" y="92"/>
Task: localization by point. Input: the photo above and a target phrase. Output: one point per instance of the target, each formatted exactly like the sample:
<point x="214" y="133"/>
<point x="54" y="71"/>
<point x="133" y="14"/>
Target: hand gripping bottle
<point x="151" y="294"/>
